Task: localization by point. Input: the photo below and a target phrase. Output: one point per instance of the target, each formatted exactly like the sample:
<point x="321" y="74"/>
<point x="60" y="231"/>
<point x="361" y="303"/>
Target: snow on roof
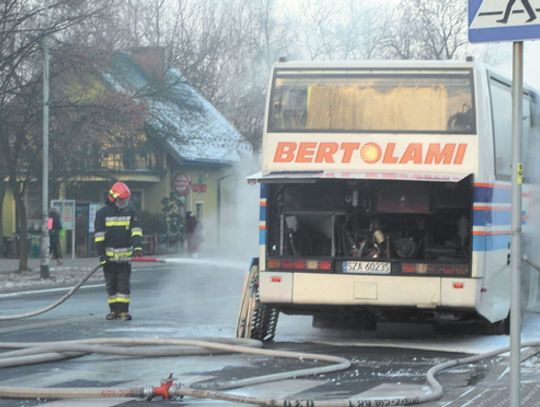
<point x="193" y="128"/>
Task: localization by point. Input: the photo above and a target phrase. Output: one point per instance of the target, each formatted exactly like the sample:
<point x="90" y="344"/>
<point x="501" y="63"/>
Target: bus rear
<point x="367" y="193"/>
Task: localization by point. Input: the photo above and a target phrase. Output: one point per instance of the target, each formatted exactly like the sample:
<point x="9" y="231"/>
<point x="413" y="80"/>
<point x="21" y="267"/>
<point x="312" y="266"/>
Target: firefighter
<point x="118" y="237"/>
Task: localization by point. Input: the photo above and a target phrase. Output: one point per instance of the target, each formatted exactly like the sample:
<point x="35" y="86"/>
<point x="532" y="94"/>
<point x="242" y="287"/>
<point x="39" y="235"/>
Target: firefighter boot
<point x="125" y="316"/>
<point x="114" y="314"/>
<point x="123" y="312"/>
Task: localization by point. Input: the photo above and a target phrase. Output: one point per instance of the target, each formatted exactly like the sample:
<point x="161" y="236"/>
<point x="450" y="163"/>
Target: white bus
<point x="386" y="195"/>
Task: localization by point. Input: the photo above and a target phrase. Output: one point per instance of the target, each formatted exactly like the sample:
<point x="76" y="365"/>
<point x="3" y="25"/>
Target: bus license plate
<point x="369" y="267"/>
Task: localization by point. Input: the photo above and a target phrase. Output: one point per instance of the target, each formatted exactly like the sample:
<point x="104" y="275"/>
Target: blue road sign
<point x="504" y="20"/>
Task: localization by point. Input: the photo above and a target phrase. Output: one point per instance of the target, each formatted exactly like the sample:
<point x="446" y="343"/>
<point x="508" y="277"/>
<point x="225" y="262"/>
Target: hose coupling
<point x="148" y="392"/>
<point x="165" y="389"/>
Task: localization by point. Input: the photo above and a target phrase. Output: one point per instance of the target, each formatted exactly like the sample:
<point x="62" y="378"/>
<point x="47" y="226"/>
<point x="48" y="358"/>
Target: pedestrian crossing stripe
<point x="492" y="13"/>
<point x="503" y="20"/>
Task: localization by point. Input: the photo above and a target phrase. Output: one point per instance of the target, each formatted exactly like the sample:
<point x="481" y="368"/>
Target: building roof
<point x="193" y="129"/>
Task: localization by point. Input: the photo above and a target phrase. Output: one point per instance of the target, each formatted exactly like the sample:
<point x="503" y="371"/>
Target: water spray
<point x="84" y="279"/>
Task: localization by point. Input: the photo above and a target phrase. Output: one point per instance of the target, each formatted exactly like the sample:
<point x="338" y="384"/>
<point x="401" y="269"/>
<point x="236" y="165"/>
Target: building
<point x="185" y="146"/>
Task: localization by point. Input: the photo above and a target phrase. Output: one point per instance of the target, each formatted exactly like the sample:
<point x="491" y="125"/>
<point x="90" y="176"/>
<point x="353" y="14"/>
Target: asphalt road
<point x="201" y="300"/>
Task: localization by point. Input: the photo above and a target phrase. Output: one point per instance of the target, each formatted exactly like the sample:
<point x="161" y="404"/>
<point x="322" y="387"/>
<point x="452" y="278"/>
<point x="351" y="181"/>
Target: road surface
<point x="201" y="299"/>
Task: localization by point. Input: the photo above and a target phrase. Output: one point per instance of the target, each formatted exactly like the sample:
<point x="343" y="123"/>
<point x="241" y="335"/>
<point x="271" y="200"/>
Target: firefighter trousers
<point x="118" y="285"/>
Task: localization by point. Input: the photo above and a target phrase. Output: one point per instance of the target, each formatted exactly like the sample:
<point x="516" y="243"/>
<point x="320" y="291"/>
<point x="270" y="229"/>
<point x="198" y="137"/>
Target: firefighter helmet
<point x="119" y="194"/>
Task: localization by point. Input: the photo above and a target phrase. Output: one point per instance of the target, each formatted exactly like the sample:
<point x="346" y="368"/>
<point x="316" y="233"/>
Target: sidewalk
<point x="73" y="270"/>
<point x="65" y="275"/>
<point x="11" y="265"/>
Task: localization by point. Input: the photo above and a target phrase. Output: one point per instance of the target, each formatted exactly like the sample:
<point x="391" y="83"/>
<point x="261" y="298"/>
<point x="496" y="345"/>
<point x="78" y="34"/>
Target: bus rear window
<point x="435" y="103"/>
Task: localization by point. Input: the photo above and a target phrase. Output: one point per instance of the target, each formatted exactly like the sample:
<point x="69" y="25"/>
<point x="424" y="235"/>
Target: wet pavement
<point x="179" y="302"/>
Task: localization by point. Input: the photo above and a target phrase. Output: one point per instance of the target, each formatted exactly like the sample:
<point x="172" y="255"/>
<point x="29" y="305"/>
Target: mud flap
<point x="255" y="320"/>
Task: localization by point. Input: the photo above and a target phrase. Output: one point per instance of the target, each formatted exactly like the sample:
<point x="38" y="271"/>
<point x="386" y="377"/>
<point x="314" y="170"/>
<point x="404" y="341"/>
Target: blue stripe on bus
<point x="492" y="194"/>
<point x="496" y="218"/>
<point x="492" y="218"/>
<point x="262" y="215"/>
<point x="483" y="243"/>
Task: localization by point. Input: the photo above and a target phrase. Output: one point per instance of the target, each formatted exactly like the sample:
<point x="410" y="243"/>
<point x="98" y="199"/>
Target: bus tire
<point x="264" y="322"/>
<point x="497" y="328"/>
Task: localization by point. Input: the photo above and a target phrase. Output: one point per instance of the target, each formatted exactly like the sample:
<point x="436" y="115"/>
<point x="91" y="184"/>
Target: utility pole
<point x="44" y="265"/>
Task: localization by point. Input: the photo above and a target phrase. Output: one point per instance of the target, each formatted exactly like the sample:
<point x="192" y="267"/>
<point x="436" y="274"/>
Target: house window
<point x="129" y="154"/>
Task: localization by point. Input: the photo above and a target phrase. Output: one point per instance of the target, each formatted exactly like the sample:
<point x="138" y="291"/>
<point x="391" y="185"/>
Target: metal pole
<point x="515" y="253"/>
<point x="44" y="266"/>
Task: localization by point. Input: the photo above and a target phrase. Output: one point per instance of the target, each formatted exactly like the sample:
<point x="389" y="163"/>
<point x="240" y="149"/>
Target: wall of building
<point x="202" y="196"/>
<point x="8" y="214"/>
<point x="154" y="193"/>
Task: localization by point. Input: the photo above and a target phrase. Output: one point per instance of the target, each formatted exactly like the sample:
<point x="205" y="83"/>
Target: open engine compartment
<point x="370" y="219"/>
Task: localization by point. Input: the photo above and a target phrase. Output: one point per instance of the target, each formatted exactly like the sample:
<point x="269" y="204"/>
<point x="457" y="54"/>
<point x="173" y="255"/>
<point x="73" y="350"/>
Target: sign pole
<point x="73" y="242"/>
<point x="44" y="262"/>
<point x="515" y="253"/>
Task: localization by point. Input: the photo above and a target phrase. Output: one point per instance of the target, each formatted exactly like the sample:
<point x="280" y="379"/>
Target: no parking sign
<point x="181" y="183"/>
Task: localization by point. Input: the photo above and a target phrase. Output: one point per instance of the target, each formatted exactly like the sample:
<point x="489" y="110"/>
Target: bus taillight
<point x="289" y="264"/>
<point x="447" y="270"/>
<point x="408" y="268"/>
<point x="273" y="264"/>
<point x="461" y="269"/>
<point x="435" y="269"/>
<point x="325" y="265"/>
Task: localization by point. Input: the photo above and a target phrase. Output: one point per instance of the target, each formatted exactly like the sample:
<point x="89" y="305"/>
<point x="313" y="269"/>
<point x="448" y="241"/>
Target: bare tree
<point x="21" y="34"/>
<point x="427" y="29"/>
<point x="445" y="23"/>
<point x="359" y="32"/>
<point x="223" y="48"/>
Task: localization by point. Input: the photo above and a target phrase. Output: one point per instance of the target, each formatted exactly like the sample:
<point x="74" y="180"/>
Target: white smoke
<point x="238" y="214"/>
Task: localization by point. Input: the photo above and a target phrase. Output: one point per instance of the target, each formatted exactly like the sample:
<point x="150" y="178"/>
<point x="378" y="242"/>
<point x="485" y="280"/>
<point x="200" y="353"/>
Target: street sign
<point x="66" y="208"/>
<point x="181" y="183"/>
<point x="504" y="20"/>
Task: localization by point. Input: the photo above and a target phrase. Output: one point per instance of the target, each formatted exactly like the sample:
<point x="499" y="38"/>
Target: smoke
<point x="208" y="288"/>
<point x="237" y="217"/>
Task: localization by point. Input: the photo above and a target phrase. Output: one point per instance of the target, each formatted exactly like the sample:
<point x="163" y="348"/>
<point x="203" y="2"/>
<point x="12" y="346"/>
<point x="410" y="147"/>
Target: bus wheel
<point x="497" y="328"/>
<point x="264" y="322"/>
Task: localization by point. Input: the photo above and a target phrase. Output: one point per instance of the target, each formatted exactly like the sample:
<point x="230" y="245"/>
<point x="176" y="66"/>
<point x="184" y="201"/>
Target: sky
<point x="502" y="51"/>
<point x="531" y="62"/>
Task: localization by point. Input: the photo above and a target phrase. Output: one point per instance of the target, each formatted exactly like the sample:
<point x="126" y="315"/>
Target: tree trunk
<point x="22" y="223"/>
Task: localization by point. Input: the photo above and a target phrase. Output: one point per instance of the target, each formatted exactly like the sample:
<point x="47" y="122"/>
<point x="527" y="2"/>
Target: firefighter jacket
<point x="117" y="232"/>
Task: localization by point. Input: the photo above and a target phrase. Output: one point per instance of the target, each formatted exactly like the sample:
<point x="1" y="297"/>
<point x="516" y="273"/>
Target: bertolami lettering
<point x="369" y="153"/>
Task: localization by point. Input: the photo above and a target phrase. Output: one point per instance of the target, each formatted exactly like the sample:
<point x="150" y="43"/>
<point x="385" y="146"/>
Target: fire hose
<point x="74" y="289"/>
<point x="30" y="353"/>
<point x="170" y="389"/>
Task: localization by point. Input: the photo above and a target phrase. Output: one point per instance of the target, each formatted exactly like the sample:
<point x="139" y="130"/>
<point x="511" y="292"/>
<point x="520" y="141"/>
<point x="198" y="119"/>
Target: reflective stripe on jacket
<point x="117" y="232"/>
